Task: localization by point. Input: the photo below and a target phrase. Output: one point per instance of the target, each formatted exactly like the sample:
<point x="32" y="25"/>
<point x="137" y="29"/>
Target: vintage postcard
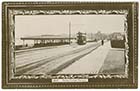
<point x="69" y="45"/>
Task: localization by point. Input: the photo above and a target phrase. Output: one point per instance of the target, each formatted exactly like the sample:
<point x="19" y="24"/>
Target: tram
<point x="81" y="38"/>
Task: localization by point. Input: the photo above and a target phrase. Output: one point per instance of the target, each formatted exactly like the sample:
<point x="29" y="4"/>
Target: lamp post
<point x="69" y="32"/>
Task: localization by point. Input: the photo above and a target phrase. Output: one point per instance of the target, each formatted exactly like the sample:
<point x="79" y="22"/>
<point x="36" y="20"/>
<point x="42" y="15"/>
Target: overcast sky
<point x="29" y="25"/>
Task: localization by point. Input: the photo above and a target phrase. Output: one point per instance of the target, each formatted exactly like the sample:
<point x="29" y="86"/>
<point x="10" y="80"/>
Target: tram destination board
<point x="69" y="45"/>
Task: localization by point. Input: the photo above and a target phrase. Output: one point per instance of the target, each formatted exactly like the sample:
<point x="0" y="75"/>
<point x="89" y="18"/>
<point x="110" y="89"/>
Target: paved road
<point x="90" y="63"/>
<point x="51" y="60"/>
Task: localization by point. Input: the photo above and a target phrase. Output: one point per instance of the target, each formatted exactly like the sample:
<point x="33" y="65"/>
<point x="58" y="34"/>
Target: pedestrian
<point x="102" y="42"/>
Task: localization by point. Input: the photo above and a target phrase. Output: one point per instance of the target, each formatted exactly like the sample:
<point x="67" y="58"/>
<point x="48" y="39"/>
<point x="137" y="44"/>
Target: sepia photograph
<point x="69" y="45"/>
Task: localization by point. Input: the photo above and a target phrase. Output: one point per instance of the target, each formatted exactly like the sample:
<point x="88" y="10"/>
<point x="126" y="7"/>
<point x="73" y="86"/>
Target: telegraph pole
<point x="69" y="32"/>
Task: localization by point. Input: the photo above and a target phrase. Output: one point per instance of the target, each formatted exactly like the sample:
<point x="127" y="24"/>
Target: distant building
<point x="96" y="36"/>
<point x="47" y="39"/>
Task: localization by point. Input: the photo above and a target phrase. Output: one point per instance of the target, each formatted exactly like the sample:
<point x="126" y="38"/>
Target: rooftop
<point x="42" y="37"/>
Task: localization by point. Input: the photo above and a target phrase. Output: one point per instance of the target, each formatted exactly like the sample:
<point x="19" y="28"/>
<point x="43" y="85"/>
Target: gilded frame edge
<point x="5" y="47"/>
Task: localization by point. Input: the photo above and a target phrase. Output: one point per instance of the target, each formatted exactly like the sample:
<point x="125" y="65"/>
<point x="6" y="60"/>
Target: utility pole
<point x="69" y="32"/>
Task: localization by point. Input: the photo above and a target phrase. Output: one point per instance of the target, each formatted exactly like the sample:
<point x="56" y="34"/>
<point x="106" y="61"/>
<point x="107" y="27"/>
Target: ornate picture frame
<point x="11" y="77"/>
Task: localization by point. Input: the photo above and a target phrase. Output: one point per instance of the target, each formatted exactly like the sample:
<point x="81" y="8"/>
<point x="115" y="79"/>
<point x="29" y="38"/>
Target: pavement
<point x="103" y="60"/>
<point x="114" y="62"/>
<point x="89" y="64"/>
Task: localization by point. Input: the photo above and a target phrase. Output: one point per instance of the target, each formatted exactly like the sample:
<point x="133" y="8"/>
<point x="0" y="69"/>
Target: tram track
<point x="31" y="66"/>
<point x="68" y="63"/>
